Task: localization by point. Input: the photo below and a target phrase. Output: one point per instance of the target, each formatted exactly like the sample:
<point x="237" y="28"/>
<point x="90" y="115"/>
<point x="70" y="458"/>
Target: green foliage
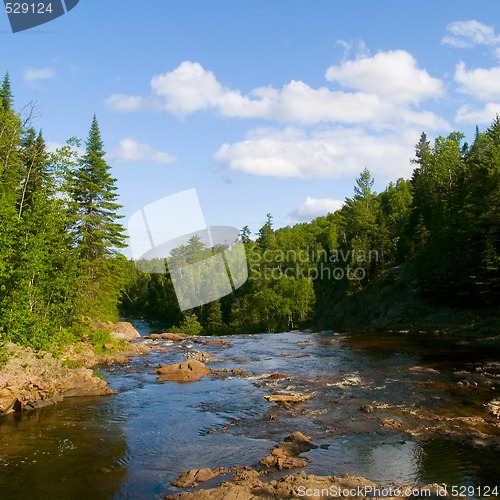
<point x="97" y="233"/>
<point x="58" y="248"/>
<point x="189" y="325"/>
<point x="442" y="226"/>
<point x="99" y="337"/>
<point x="4" y="354"/>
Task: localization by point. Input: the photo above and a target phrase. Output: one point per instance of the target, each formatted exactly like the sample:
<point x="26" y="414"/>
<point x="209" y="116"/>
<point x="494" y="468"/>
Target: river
<point x="372" y="414"/>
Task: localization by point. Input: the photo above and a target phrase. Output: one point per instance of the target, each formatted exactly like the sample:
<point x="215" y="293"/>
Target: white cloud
<point x="122" y="102"/>
<point x="480" y="83"/>
<point x="483" y="116"/>
<point x="386" y="85"/>
<point x="391" y="75"/>
<point x="130" y="150"/>
<point x="323" y="154"/>
<point x="34" y="75"/>
<point x="314" y="207"/>
<point x="470" y="33"/>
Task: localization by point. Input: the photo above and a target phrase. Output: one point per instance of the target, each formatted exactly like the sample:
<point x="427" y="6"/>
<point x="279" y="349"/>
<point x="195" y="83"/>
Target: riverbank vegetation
<point x="60" y="266"/>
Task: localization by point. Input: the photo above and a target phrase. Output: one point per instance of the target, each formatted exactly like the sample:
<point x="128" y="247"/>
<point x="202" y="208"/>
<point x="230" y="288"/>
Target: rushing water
<point x="134" y="443"/>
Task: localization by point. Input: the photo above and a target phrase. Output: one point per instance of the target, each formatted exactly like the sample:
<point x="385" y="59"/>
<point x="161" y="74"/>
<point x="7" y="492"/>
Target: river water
<point x="371" y="414"/>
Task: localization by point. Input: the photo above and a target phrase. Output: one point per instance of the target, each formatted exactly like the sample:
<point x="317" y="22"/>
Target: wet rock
<point x="288" y="398"/>
<point x="366" y="408"/>
<point x="223" y="342"/>
<point x="283" y="462"/>
<point x="193" y="477"/>
<point x="204" y="357"/>
<point x="494" y="407"/>
<point x="423" y="369"/>
<point x="300" y="441"/>
<point x="283" y="454"/>
<point x="238" y="372"/>
<point x="285" y="354"/>
<point x="188" y="371"/>
<point x="174" y="337"/>
<point x="277" y="376"/>
<point x="391" y="423"/>
<point x="302" y="355"/>
<point x="247" y="485"/>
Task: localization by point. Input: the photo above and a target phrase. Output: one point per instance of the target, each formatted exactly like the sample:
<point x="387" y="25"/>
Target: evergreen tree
<point x="97" y="232"/>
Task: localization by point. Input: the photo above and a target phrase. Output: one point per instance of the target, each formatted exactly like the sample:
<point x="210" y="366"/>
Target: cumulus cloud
<point x="480" y="83"/>
<point x="392" y="75"/>
<point x="321" y="154"/>
<point x="314" y="207"/>
<point x="34" y="75"/>
<point x="386" y="86"/>
<point x="463" y="34"/>
<point x="478" y="116"/>
<point x="130" y="150"/>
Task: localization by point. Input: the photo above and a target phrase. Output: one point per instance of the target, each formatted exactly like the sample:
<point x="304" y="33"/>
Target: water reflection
<point x="69" y="451"/>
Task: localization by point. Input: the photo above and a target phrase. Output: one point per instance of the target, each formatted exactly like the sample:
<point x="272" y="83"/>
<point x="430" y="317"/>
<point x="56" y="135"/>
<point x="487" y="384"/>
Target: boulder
<point x="191" y="478"/>
<point x="188" y="371"/>
<point x="283" y="454"/>
<point x="123" y="330"/>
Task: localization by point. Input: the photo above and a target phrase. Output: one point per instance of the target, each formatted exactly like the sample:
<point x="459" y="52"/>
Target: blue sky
<point x="261" y="106"/>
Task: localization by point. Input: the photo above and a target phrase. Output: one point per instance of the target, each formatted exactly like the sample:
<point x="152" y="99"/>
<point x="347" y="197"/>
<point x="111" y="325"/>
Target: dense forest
<point x="441" y="227"/>
<point x="60" y="266"/>
<point x="60" y="238"/>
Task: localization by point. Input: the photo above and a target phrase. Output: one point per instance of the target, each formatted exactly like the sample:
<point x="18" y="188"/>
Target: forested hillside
<point x="61" y="269"/>
<point x="437" y="235"/>
<point x="59" y="234"/>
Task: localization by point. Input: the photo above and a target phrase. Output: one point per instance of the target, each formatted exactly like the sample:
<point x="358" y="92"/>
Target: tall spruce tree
<point x="98" y="232"/>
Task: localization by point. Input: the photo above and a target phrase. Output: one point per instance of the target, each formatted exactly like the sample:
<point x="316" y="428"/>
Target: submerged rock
<point x="423" y="369"/>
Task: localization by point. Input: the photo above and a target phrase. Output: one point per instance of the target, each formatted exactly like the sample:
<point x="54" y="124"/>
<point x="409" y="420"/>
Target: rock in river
<point x="188" y="371"/>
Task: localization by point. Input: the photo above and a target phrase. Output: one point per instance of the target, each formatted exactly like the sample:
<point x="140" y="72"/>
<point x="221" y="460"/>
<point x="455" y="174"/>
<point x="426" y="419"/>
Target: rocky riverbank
<point x="248" y="483"/>
<point x="33" y="379"/>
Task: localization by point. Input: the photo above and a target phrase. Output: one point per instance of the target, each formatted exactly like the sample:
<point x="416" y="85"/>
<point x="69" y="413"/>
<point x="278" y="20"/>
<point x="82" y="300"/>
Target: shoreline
<point x="32" y="379"/>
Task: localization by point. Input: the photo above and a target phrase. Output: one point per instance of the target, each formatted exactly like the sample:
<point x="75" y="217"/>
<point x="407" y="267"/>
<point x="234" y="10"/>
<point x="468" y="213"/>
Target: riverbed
<point x="396" y="408"/>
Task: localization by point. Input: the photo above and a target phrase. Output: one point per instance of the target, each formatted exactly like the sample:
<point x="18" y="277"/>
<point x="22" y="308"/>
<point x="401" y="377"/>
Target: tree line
<point x="443" y="224"/>
<point x="60" y="235"/>
<point x="60" y="238"/>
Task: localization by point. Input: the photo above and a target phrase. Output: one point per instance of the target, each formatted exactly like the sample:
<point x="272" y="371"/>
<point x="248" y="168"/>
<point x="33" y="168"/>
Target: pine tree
<point x="98" y="234"/>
